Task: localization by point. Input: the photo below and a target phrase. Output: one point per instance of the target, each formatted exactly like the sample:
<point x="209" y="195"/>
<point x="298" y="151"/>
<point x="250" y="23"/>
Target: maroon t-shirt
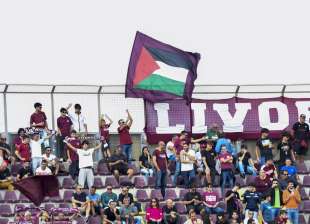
<point x="124" y="136"/>
<point x="161" y="158"/>
<point x="24" y="151"/>
<point x="262" y="185"/>
<point x="177" y="145"/>
<point x="76" y="143"/>
<point x="17" y="141"/>
<point x="104" y="132"/>
<point x="64" y="124"/>
<point x="38" y="118"/>
<point x="227" y="165"/>
<point x="269" y="170"/>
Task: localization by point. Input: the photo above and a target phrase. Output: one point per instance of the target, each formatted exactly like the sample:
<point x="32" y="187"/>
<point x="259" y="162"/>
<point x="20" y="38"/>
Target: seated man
<point x="94" y="201"/>
<point x="171" y="215"/>
<point x="119" y="165"/>
<point x="125" y="194"/>
<point x="128" y="212"/>
<point x="43" y="169"/>
<point x="111" y="214"/>
<point x="291" y="170"/>
<point x="107" y="196"/>
<point x="25" y="171"/>
<point x="79" y="200"/>
<point x="245" y="162"/>
<point x="285" y="178"/>
<point x="52" y="160"/>
<point x="6" y="179"/>
<point x="270" y="169"/>
<point x="212" y="201"/>
<point x="193" y="200"/>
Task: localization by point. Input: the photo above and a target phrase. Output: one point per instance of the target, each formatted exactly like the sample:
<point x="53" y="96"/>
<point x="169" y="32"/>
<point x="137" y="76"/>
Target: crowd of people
<point x="272" y="195"/>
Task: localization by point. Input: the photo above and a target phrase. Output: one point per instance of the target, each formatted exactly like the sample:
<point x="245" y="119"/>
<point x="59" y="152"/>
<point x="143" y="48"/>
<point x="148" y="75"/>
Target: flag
<point x="158" y="71"/>
<point x="38" y="187"/>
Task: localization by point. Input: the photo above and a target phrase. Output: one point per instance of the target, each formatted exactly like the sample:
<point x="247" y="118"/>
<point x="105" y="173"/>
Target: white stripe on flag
<point x="171" y="72"/>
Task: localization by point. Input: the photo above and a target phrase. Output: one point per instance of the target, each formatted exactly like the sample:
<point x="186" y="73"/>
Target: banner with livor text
<point x="237" y="117"/>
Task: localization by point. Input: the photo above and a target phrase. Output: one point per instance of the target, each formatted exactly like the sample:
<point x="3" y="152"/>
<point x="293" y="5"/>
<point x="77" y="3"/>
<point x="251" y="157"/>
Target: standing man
<point x="73" y="158"/>
<point x="187" y="157"/>
<point x="300" y="133"/>
<point x="78" y="119"/>
<point x="160" y="161"/>
<point x="64" y="126"/>
<point x="124" y="136"/>
<point x="291" y="200"/>
<point x="264" y="147"/>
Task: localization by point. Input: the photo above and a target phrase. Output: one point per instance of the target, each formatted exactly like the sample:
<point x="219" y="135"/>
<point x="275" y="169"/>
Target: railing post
<point x="53" y="107"/>
<point x="99" y="105"/>
<point x="5" y="110"/>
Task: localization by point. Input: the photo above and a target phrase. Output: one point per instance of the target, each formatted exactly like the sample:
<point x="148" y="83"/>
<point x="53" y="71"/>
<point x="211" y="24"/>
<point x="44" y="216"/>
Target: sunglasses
<point x="109" y="189"/>
<point x="285" y="174"/>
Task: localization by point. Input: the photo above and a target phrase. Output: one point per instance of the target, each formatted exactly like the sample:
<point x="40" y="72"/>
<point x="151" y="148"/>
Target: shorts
<point x="300" y="147"/>
<point x="122" y="169"/>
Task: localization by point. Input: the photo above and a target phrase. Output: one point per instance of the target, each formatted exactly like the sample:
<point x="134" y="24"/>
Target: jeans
<point x="86" y="174"/>
<point x="146" y="174"/>
<point x="35" y="163"/>
<point x="127" y="150"/>
<point x="43" y="134"/>
<point x="227" y="178"/>
<point x="292" y="214"/>
<point x="61" y="149"/>
<point x="250" y="169"/>
<point x="187" y="177"/>
<point x="275" y="212"/>
<point x="262" y="160"/>
<point x="247" y="214"/>
<point x="215" y="210"/>
<point x="176" y="172"/>
<point x="74" y="169"/>
<point x="161" y="181"/>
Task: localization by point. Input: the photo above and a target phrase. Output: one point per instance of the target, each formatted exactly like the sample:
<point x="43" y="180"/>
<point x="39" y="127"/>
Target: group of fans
<point x="273" y="195"/>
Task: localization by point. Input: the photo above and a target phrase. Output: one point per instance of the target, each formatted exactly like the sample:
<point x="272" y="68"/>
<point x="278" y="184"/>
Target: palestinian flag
<point x="159" y="72"/>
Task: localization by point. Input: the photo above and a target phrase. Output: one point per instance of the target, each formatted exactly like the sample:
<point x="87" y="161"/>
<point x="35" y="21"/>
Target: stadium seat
<point x="17" y="207"/>
<point x="170" y="194"/>
<point x="183" y="193"/>
<point x="151" y="182"/>
<point x="23" y="198"/>
<point x="4" y="221"/>
<point x="94" y="220"/>
<point x="136" y="170"/>
<point x="219" y="192"/>
<point x="64" y="205"/>
<point x="5" y="210"/>
<point x="303" y="194"/>
<point x="15" y="168"/>
<point x="302" y="219"/>
<point x="142" y="196"/>
<point x="112" y="182"/>
<point x="68" y="195"/>
<point x="10" y="197"/>
<point x="183" y="218"/>
<point x="249" y="180"/>
<point x="302" y="168"/>
<point x="68" y="183"/>
<point x="49" y="206"/>
<point x="306" y="206"/>
<point x="155" y="193"/>
<point x="124" y="181"/>
<point x="56" y="199"/>
<point x="169" y="182"/>
<point x="98" y="183"/>
<point x="103" y="169"/>
<point x="216" y="181"/>
<point x="239" y="180"/>
<point x="306" y="181"/>
<point x="139" y="182"/>
<point x="1" y="198"/>
<point x="181" y="208"/>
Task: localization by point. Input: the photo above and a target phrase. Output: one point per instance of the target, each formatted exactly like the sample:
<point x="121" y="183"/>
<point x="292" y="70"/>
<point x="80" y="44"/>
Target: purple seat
<point x="219" y="192"/>
<point x="249" y="180"/>
<point x="124" y="180"/>
<point x="64" y="205"/>
<point x="98" y="182"/>
<point x="239" y="180"/>
<point x="139" y="182"/>
<point x="10" y="197"/>
<point x="68" y="183"/>
<point x="111" y="181"/>
<point x="4" y="221"/>
<point x="302" y="219"/>
<point x="216" y="181"/>
<point x="49" y="206"/>
<point x="68" y="195"/>
<point x="306" y="206"/>
<point x="156" y="194"/>
<point x="183" y="193"/>
<point x="18" y="207"/>
<point x="1" y="199"/>
<point x="170" y="194"/>
<point x="15" y="168"/>
<point x="136" y="171"/>
<point x="5" y="210"/>
<point x="302" y="168"/>
<point x="306" y="181"/>
<point x="169" y="182"/>
<point x="183" y="218"/>
<point x="303" y="194"/>
<point x="56" y="199"/>
<point x="23" y="198"/>
<point x="103" y="169"/>
<point x="200" y="190"/>
<point x="151" y="182"/>
<point x="180" y="208"/>
<point x="94" y="220"/>
<point x="142" y="195"/>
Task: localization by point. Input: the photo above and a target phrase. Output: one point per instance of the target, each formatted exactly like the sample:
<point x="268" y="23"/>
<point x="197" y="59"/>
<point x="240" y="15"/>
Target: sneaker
<point x="242" y="175"/>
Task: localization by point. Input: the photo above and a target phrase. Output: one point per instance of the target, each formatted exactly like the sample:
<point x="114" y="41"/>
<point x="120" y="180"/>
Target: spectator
<point x="208" y="157"/>
<point x="107" y="196"/>
<point x="93" y="199"/>
<point x="111" y="214"/>
<point x="5" y="150"/>
<point x="291" y="170"/>
<point x="79" y="200"/>
<point x="171" y="215"/>
<point x="64" y="126"/>
<point x="187" y="157"/>
<point x="129" y="212"/>
<point x="52" y="161"/>
<point x="245" y="162"/>
<point x="276" y="198"/>
<point x="213" y="133"/>
<point x="160" y="161"/>
<point x="23" y="153"/>
<point x="119" y="165"/>
<point x="170" y="149"/>
<point x="199" y="165"/>
<point x="124" y="136"/>
<point x="266" y="210"/>
<point x="300" y="133"/>
<point x="154" y="214"/>
<point x="285" y="178"/>
<point x="193" y="200"/>
<point x="222" y="141"/>
<point x="252" y="199"/>
<point x="220" y="219"/>
<point x="264" y="147"/>
<point x="6" y="180"/>
<point x="285" y="148"/>
<point x="178" y="146"/>
<point x="105" y="135"/>
<point x="232" y="199"/>
<point x="145" y="161"/>
<point x="291" y="201"/>
<point x="270" y="169"/>
<point x="212" y="201"/>
<point x="125" y="194"/>
<point x="282" y="218"/>
<point x="192" y="219"/>
<point x="25" y="171"/>
<point x="43" y="169"/>
<point x="38" y="121"/>
<point x="73" y="157"/>
<point x="78" y="119"/>
<point x="235" y="217"/>
<point x="86" y="162"/>
<point x="19" y="138"/>
<point x="227" y="175"/>
<point x="262" y="182"/>
<point x="251" y="219"/>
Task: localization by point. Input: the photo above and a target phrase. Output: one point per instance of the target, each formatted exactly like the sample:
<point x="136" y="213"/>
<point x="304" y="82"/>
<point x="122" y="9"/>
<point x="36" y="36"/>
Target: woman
<point x="19" y="138"/>
<point x="154" y="214"/>
<point x="192" y="219"/>
<point x="105" y="135"/>
<point x="145" y="161"/>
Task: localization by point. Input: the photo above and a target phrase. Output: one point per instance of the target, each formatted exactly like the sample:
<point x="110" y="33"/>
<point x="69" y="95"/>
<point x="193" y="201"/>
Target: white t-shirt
<point x="85" y="157"/>
<point x="168" y="151"/>
<point x="36" y="150"/>
<point x="40" y="172"/>
<point x="199" y="159"/>
<point x="187" y="166"/>
<point x="50" y="158"/>
<point x="78" y="121"/>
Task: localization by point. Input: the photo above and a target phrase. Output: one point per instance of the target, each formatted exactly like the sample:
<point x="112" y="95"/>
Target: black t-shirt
<point x="264" y="147"/>
<point x="232" y="204"/>
<point x="168" y="210"/>
<point x="115" y="158"/>
<point x="301" y="131"/>
<point x="285" y="151"/>
<point x="191" y="195"/>
<point x="22" y="172"/>
<point x="122" y="196"/>
<point x="246" y="158"/>
<point x="210" y="157"/>
<point x="5" y="174"/>
<point x="145" y="161"/>
<point x="80" y="197"/>
<point x="110" y="215"/>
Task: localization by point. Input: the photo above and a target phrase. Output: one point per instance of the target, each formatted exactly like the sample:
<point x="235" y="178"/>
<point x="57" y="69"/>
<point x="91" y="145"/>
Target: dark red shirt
<point x="262" y="185"/>
<point x="76" y="143"/>
<point x="269" y="170"/>
<point x="64" y="124"/>
<point x="124" y="136"/>
<point x="17" y="140"/>
<point x="24" y="151"/>
<point x="178" y="146"/>
<point x="104" y="132"/>
<point x="38" y="118"/>
<point x="161" y="158"/>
